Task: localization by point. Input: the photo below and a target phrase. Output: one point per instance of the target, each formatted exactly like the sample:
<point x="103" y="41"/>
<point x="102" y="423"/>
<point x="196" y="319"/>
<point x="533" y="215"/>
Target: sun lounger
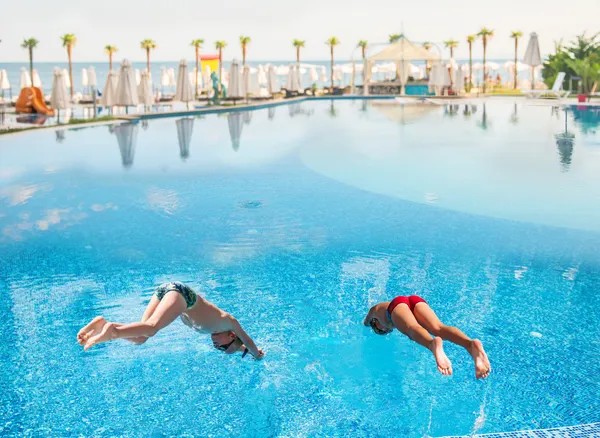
<point x="556" y="90"/>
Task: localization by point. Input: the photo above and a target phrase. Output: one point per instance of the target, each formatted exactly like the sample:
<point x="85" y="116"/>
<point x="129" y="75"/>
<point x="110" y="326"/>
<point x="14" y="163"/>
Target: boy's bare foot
<point x="93" y="328"/>
<point x="482" y="364"/>
<point x="105" y="335"/>
<point x="443" y="363"/>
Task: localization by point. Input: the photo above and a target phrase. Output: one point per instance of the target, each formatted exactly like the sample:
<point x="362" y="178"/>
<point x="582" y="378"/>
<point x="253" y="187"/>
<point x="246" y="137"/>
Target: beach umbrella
<point x="126" y="134"/>
<point x="293" y="79"/>
<point x="164" y="77"/>
<point x="4" y="82"/>
<point x="24" y="78"/>
<point x="324" y="75"/>
<point x="109" y="95"/>
<point x="236" y="88"/>
<point x="84" y="77"/>
<point x="92" y="79"/>
<point x="126" y="89"/>
<point x="261" y="77"/>
<point x="171" y="74"/>
<point x="67" y="79"/>
<point x="246" y="81"/>
<point x="138" y="77"/>
<point x="313" y="75"/>
<point x="272" y="81"/>
<point x="458" y="79"/>
<point x="193" y="74"/>
<point x="35" y="80"/>
<point x="234" y="120"/>
<point x="184" y="91"/>
<point x="206" y="80"/>
<point x="532" y="55"/>
<point x="337" y="73"/>
<point x="144" y="89"/>
<point x="185" y="127"/>
<point x="59" y="98"/>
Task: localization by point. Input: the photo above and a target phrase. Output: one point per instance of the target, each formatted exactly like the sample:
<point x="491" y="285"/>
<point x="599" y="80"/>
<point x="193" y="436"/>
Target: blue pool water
<point x="296" y="219"/>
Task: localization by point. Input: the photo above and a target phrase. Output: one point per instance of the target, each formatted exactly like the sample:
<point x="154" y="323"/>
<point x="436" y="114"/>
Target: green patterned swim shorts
<point x="187" y="292"/>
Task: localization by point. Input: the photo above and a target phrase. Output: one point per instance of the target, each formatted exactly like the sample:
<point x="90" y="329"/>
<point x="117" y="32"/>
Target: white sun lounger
<point x="556" y="90"/>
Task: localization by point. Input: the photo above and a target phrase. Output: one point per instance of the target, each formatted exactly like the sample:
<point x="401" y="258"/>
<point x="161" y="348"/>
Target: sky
<point x="273" y="24"/>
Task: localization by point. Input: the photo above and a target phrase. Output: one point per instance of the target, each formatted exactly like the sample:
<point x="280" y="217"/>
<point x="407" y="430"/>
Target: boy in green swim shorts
<point x="172" y="300"/>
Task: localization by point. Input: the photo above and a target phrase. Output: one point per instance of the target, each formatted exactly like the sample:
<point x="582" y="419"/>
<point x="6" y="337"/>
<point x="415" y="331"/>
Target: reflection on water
<point x="297" y="109"/>
<point x="332" y="110"/>
<point x="60" y="135"/>
<point x="564" y="142"/>
<point x="185" y="127"/>
<point x="126" y="134"/>
<point x="484" y="123"/>
<point x="587" y="117"/>
<point x="451" y="110"/>
<point x="511" y="119"/>
<point x="235" y="122"/>
<point x="514" y="117"/>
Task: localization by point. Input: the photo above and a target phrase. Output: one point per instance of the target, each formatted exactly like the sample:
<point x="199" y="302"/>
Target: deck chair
<point x="556" y="90"/>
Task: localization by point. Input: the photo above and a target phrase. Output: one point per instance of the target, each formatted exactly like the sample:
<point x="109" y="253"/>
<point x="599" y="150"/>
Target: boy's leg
<point x="97" y="324"/>
<point x="428" y="319"/>
<point x="169" y="308"/>
<point x="405" y="321"/>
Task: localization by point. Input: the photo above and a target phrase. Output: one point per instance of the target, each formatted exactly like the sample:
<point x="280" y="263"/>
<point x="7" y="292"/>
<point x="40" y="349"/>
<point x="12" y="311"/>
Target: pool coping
<point x="588" y="430"/>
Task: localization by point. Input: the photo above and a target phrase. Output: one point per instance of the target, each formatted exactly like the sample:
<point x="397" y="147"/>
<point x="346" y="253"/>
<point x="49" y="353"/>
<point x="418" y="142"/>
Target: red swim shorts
<point x="411" y="302"/>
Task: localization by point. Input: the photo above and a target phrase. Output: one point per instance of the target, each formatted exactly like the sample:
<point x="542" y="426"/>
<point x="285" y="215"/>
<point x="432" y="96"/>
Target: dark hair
<point x="376" y="329"/>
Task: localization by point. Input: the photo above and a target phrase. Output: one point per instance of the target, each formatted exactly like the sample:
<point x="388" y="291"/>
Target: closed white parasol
<point x="184" y="91"/>
<point x="126" y="89"/>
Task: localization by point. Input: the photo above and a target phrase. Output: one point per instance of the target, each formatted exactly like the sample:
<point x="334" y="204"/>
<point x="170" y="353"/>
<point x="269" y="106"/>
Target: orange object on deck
<point x="31" y="100"/>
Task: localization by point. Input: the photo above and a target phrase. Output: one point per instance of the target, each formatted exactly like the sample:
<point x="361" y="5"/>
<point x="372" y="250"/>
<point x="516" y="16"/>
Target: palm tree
<point x="427" y="46"/>
<point x="298" y="44"/>
<point x="244" y="41"/>
<point x="470" y="40"/>
<point x="69" y="41"/>
<point x="363" y="45"/>
<point x="109" y="50"/>
<point x="395" y="37"/>
<point x="30" y="44"/>
<point x="332" y="42"/>
<point x="148" y="45"/>
<point x="451" y="44"/>
<point x="485" y="34"/>
<point x="516" y="34"/>
<point x="220" y="45"/>
<point x="197" y="44"/>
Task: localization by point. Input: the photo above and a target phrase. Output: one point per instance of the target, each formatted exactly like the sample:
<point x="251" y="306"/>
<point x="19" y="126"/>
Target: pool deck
<point x="590" y="430"/>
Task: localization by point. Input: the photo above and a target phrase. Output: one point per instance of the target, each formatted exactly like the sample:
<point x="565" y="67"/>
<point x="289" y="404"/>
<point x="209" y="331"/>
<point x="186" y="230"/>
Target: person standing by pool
<point x="413" y="317"/>
<point x="169" y="301"/>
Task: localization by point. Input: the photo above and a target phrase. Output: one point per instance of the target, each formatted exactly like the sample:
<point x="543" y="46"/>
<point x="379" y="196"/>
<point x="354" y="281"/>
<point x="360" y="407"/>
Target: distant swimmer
<point x="413" y="317"/>
<point x="172" y="300"/>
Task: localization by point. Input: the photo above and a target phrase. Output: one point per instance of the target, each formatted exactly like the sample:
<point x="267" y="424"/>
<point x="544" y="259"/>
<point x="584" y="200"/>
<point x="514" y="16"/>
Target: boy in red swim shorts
<point x="412" y="316"/>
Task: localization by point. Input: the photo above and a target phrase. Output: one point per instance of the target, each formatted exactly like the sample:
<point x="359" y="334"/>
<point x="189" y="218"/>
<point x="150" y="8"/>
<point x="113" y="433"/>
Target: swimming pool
<point x="296" y="219"/>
